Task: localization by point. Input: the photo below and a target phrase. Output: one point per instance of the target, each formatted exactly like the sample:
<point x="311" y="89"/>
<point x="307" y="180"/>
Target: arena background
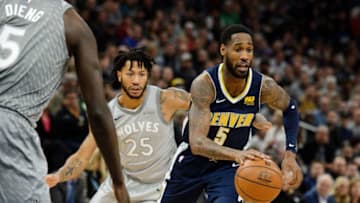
<point x="310" y="47"/>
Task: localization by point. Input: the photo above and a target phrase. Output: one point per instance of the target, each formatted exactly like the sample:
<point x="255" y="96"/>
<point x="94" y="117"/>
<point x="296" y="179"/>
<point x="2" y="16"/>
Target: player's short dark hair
<point x="134" y="55"/>
<point x="232" y="29"/>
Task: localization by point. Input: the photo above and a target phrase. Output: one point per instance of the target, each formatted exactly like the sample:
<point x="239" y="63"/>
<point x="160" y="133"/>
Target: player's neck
<point x="130" y="103"/>
<point x="233" y="84"/>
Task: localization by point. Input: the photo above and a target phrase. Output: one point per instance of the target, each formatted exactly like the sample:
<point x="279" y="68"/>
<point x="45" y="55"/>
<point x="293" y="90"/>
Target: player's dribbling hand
<point x="292" y="174"/>
<point x="121" y="194"/>
<point x="250" y="154"/>
<point x="52" y="179"/>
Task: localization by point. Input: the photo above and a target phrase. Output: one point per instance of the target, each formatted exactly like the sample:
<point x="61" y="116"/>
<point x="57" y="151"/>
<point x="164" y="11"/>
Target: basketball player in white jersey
<point x="143" y="116"/>
<point x="37" y="38"/>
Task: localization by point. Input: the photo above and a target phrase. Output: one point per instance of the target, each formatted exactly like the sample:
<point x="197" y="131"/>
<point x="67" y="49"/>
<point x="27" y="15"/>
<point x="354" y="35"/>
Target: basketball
<point x="258" y="181"/>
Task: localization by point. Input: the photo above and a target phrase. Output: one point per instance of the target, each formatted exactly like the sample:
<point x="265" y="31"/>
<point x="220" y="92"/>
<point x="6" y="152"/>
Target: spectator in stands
<point x="324" y="108"/>
<point x="339" y="134"/>
<point x="338" y="167"/>
<point x="167" y="75"/>
<point x="70" y="127"/>
<point x="316" y="169"/>
<point x="352" y="170"/>
<point x="355" y="125"/>
<point x="187" y="70"/>
<point x="321" y="192"/>
<point x="318" y="149"/>
<point x="341" y="190"/>
<point x="355" y="190"/>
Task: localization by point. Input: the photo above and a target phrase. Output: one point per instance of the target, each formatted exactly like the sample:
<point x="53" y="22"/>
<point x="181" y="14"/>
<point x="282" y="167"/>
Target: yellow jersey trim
<point x="225" y="91"/>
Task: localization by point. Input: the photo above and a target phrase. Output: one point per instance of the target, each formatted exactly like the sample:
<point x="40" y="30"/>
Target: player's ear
<point x="222" y="49"/>
<point x="118" y="73"/>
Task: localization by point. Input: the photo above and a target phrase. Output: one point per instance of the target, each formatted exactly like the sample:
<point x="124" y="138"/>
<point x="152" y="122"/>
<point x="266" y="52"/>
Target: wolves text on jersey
<point x="140" y="126"/>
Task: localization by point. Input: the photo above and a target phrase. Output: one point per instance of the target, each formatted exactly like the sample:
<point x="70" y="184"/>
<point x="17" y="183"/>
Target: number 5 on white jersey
<point x="9" y="48"/>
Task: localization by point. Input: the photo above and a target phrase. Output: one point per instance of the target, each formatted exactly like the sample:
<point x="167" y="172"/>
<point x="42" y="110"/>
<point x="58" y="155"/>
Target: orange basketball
<point x="258" y="181"/>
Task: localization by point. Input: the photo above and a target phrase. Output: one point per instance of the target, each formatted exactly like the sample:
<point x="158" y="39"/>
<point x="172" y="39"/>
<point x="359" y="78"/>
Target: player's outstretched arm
<point x="202" y="94"/>
<point x="81" y="43"/>
<point x="75" y="164"/>
<point x="277" y="98"/>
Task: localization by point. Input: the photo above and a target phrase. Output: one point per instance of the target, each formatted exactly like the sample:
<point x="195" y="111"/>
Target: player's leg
<point x="181" y="191"/>
<point x="22" y="163"/>
<point x="183" y="184"/>
<point x="220" y="186"/>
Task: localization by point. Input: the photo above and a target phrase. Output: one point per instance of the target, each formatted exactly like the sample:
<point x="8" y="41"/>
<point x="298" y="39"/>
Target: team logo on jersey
<point x="231" y="119"/>
<point x="249" y="100"/>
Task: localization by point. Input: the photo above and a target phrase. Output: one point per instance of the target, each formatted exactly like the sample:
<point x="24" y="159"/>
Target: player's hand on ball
<point x="292" y="174"/>
<point x="250" y="154"/>
<point x="52" y="179"/>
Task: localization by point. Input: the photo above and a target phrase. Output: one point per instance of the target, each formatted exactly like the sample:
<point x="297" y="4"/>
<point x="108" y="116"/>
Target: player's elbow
<point x="196" y="144"/>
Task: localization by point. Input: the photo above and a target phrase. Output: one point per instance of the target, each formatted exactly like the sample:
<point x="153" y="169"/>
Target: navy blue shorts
<point x="191" y="175"/>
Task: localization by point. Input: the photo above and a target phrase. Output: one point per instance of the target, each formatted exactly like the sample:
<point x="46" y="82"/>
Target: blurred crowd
<point x="310" y="47"/>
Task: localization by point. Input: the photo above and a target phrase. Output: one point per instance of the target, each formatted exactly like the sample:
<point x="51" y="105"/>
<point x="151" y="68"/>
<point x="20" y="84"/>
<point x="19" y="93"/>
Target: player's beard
<point x="127" y="92"/>
<point x="232" y="69"/>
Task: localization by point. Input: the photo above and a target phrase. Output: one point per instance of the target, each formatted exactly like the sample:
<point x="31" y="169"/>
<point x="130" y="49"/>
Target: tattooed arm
<point x="75" y="164"/>
<point x="276" y="98"/>
<point x="274" y="95"/>
<point x="173" y="100"/>
<point x="202" y="94"/>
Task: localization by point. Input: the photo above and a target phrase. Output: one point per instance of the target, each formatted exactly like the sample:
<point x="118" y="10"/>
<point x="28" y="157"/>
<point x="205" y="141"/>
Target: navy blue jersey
<point x="232" y="117"/>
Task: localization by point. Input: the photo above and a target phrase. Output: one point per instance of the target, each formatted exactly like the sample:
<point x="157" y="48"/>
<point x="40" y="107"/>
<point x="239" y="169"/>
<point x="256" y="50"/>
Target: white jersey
<point x="147" y="146"/>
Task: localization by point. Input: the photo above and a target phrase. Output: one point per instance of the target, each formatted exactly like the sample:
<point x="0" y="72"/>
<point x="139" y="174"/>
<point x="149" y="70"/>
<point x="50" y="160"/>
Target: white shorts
<point x="138" y="192"/>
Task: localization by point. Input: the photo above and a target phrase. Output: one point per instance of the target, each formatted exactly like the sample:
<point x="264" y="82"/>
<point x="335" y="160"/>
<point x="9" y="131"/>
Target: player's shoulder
<point x="203" y="81"/>
<point x="267" y="83"/>
<point x="203" y="89"/>
<point x="173" y="90"/>
<point x="113" y="102"/>
<point x="154" y="88"/>
<point x="175" y="97"/>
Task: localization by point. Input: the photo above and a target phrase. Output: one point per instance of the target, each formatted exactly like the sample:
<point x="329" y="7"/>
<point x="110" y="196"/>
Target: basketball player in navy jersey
<point x="225" y="100"/>
<point x="37" y="37"/>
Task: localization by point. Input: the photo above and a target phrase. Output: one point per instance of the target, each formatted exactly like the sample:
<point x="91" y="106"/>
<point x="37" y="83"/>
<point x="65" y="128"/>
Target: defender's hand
<point x="250" y="154"/>
<point x="291" y="172"/>
<point x="52" y="179"/>
<point x="121" y="194"/>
